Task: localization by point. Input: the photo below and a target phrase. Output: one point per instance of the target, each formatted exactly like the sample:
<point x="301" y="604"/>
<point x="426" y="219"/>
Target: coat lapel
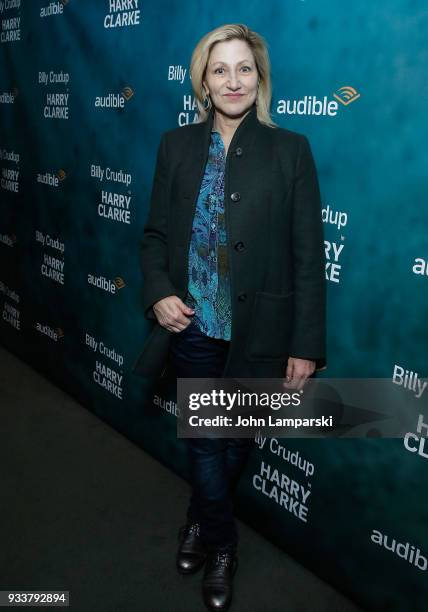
<point x="197" y="156"/>
<point x="243" y="135"/>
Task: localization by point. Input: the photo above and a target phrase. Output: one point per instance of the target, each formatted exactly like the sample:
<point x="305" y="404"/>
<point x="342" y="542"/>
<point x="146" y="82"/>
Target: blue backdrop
<point x="86" y="90"/>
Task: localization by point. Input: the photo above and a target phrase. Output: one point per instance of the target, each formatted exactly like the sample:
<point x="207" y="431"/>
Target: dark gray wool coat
<point x="275" y="245"/>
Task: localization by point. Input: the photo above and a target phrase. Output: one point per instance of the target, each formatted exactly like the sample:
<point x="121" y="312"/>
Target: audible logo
<point x="127" y="93"/>
<point x="50" y="179"/>
<point x="105" y="283"/>
<point x="54" y="334"/>
<point x="114" y="100"/>
<point x="420" y="267"/>
<point x="167" y="405"/>
<point x="346" y="95"/>
<point x="310" y="105"/>
<point x="404" y="551"/>
<point x="53" y="8"/>
<point x="119" y="282"/>
<point x="8" y="97"/>
<point x="8" y="240"/>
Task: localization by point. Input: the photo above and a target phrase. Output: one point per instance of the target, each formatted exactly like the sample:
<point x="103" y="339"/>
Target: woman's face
<point x="231" y="77"/>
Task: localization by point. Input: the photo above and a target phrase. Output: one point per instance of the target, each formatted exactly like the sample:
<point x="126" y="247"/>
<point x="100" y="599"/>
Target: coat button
<point x="239" y="246"/>
<point x="242" y="297"/>
<point x="235" y="196"/>
<point x="238" y="151"/>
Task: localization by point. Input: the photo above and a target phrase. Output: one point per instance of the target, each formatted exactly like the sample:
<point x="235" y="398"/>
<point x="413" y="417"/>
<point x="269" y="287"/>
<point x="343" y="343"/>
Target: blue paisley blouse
<point x="208" y="270"/>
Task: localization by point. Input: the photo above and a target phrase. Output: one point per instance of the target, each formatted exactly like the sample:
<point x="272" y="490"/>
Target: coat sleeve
<point x="154" y="244"/>
<point x="308" y="339"/>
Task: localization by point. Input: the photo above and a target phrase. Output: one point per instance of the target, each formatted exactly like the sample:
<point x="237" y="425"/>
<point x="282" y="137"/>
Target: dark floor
<point x="85" y="510"/>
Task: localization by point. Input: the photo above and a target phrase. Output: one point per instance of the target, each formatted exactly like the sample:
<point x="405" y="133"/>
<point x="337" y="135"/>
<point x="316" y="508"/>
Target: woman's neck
<point x="225" y="125"/>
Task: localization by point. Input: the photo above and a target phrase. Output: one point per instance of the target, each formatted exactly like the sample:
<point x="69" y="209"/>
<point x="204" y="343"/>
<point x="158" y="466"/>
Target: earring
<point x="206" y="102"/>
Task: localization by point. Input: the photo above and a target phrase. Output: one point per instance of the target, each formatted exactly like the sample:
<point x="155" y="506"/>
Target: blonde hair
<point x="258" y="46"/>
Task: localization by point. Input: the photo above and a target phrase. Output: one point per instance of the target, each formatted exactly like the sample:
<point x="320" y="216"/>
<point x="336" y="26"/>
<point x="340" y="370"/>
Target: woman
<point x="234" y="269"/>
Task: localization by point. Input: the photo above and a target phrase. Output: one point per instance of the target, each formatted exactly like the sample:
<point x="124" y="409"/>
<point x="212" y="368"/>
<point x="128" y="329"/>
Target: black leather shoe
<point x="191" y="553"/>
<point x="220" y="568"/>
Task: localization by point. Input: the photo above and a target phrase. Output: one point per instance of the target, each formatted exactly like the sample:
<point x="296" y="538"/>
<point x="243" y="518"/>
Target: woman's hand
<point x="298" y="370"/>
<point x="171" y="313"/>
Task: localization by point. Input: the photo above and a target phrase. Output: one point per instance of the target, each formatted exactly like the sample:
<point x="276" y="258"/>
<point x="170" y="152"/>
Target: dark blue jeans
<point x="215" y="463"/>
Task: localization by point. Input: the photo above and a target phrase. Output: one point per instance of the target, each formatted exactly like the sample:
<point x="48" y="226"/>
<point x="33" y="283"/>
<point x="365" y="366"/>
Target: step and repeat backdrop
<point x="86" y="90"/>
